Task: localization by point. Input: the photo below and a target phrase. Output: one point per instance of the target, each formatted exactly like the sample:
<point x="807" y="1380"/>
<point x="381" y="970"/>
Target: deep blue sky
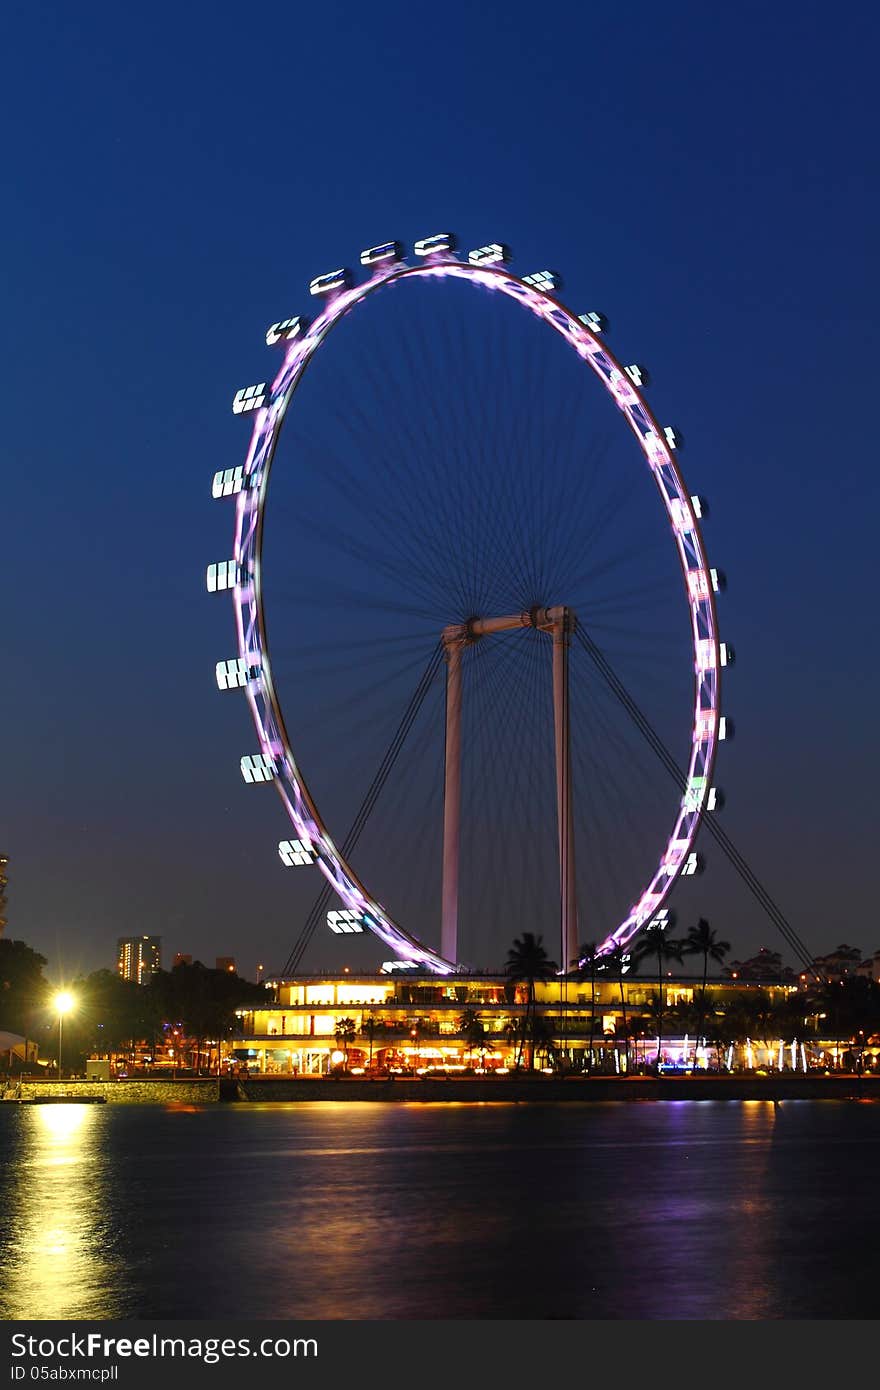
<point x="172" y="178"/>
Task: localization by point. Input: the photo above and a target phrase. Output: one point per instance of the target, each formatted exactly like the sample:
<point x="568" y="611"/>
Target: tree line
<point x="190" y="1004"/>
<point x="845" y="1012"/>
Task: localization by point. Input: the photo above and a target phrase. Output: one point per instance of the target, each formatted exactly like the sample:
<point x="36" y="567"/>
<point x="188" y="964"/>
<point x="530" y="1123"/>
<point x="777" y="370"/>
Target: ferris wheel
<point x="552" y="620"/>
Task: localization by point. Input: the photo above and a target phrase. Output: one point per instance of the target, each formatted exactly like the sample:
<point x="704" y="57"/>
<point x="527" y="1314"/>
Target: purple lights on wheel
<point x="252" y="670"/>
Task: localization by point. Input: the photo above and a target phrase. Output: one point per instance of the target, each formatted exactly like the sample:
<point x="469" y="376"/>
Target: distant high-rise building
<point x="225" y="963"/>
<point x="4" y="863"/>
<point x="138" y="957"/>
<point x="181" y="959"/>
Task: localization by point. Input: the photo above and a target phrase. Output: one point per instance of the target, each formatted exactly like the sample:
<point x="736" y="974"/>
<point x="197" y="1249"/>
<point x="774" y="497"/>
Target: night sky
<point x="173" y="176"/>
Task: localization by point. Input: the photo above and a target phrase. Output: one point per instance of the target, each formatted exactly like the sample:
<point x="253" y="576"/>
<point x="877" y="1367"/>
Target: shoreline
<point x="461" y="1091"/>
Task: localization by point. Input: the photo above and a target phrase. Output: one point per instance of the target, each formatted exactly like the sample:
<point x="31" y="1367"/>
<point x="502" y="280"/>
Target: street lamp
<point x="63" y="1003"/>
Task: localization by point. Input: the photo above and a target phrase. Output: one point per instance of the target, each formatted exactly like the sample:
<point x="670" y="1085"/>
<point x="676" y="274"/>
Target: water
<point x="324" y="1210"/>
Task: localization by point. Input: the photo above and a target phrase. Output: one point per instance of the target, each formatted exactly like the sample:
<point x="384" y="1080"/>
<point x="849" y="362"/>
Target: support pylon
<point x="561" y="631"/>
<point x="453" y="647"/>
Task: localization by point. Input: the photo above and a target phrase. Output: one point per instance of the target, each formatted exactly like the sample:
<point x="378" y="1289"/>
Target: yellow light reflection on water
<point x="55" y="1260"/>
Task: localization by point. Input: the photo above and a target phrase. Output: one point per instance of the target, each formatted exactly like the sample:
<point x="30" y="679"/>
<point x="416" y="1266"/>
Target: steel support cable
<point x="359" y="710"/>
<point x="571" y="536"/>
<point x="552" y="483"/>
<point x="418" y="808"/>
<point x="369" y="801"/>
<point x="750" y="879"/>
<point x="522" y="500"/>
<point x="483" y="444"/>
<point x="577" y="459"/>
<point x="427" y="516"/>
<point x="492" y="551"/>
<point x="336" y="595"/>
<point x="443" y="506"/>
<point x="408" y="826"/>
<point x="419" y="526"/>
<point x="347" y="481"/>
<point x="320" y="904"/>
<point x="597" y="851"/>
<point x="389" y="560"/>
<point x="598" y="744"/>
<point x="598" y="565"/>
<point x="680" y="779"/>
<point x="515" y="502"/>
<point x="605" y="510"/>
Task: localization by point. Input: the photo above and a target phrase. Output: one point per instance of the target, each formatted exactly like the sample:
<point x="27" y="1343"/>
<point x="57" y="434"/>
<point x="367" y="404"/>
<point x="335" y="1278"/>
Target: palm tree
<point x="715" y="1036"/>
<point x="702" y="941"/>
<point x="527" y="960"/>
<point x="369" y="1027"/>
<point x="654" y="943"/>
<point x="512" y="1031"/>
<point x="619" y="962"/>
<point x="637" y="1028"/>
<point x="543" y="1039"/>
<point x="653" y="1019"/>
<point x="345" y="1031"/>
<point x="586" y="966"/>
<point x="473" y="1030"/>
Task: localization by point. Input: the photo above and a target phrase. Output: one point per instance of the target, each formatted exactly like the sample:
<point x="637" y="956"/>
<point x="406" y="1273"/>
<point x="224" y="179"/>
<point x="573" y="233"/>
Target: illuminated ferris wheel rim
<point x="276" y="761"/>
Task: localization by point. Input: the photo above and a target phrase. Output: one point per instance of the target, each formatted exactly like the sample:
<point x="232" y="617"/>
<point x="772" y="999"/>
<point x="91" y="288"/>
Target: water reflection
<point x="672" y="1210"/>
<point x="55" y="1248"/>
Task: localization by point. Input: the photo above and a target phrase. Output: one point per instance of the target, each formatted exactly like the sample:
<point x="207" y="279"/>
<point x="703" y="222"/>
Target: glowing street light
<point x="63" y="1002"/>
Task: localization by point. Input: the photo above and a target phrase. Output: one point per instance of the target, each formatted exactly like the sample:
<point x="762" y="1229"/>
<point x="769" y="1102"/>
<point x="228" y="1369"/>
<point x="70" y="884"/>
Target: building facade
<point x="485" y="1023"/>
<point x="138" y="957"/>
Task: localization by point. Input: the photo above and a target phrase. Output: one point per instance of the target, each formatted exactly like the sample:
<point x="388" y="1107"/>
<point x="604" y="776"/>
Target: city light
<point x="63" y="1002"/>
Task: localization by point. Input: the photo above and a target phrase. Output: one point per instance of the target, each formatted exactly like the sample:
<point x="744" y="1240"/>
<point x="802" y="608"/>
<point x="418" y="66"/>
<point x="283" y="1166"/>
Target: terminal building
<point x="425" y="1024"/>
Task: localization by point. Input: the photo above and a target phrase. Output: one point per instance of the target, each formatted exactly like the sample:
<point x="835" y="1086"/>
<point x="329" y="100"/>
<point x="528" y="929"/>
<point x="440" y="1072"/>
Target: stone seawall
<point x="193" y="1091"/>
<point x="479" y="1090"/>
<point x="550" y="1089"/>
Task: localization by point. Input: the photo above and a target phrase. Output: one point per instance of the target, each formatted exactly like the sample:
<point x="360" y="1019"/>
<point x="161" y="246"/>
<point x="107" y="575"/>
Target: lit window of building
<point x="138" y="958"/>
